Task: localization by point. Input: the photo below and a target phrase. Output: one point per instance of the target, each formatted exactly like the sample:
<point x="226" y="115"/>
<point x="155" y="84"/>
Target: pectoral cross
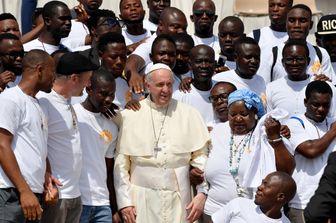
<point x="156" y="150"/>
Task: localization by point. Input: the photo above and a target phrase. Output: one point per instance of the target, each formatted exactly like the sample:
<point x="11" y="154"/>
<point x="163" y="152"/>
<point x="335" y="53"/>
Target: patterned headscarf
<point x="250" y="98"/>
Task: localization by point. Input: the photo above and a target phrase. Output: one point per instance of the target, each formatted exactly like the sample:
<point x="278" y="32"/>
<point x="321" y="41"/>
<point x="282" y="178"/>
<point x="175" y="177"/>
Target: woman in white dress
<point x="243" y="151"/>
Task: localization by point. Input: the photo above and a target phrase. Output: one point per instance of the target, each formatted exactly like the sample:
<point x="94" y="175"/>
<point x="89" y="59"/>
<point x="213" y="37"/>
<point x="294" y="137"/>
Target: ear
<point x="281" y="197"/>
<point x="89" y="89"/>
<point x="192" y="18"/>
<point x="46" y="20"/>
<point x="311" y="25"/>
<point x="159" y="28"/>
<point x="305" y="101"/>
<point x="120" y="16"/>
<point x="39" y="69"/>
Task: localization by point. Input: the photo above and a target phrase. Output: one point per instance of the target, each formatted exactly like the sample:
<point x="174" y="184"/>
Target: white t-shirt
<point x="256" y="84"/>
<point x="98" y="140"/>
<point x="77" y="35"/>
<point x="64" y="151"/>
<point x="286" y="94"/>
<point x="199" y="100"/>
<point x="242" y="210"/>
<point x="213" y="42"/>
<point x="22" y="116"/>
<point x="268" y="39"/>
<point x="122" y="93"/>
<point x="307" y="172"/>
<point x="229" y="64"/>
<point x="314" y="67"/>
<point x="144" y="49"/>
<point x="130" y="39"/>
<point x="37" y="44"/>
<point x="150" y="26"/>
<point x="222" y="186"/>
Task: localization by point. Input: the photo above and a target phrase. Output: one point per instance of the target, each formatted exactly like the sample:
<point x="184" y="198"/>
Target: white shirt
<point x="77" y="35"/>
<point x="268" y="39"/>
<point x="199" y="100"/>
<point x="222" y="186"/>
<point x="98" y="141"/>
<point x="307" y="172"/>
<point x="130" y="39"/>
<point x="144" y="49"/>
<point x="37" y="44"/>
<point x="242" y="210"/>
<point x="64" y="152"/>
<point x="22" y="116"/>
<point x="286" y="94"/>
<point x="213" y="42"/>
<point x="256" y="84"/>
<point x="150" y="26"/>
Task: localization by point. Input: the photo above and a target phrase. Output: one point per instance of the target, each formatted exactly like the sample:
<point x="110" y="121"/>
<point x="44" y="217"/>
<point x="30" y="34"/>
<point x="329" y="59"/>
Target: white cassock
<point x="157" y="183"/>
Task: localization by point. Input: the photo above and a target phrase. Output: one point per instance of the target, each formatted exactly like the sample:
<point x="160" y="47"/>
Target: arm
<point x="33" y="34"/>
<point x="29" y="202"/>
<point x="133" y="65"/>
<point x="5" y="78"/>
<point x="314" y="148"/>
<point x="284" y="160"/>
<point x="122" y="187"/>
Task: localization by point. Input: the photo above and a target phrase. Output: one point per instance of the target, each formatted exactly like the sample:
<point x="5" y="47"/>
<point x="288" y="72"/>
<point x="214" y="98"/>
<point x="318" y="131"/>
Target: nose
<point x="275" y="8"/>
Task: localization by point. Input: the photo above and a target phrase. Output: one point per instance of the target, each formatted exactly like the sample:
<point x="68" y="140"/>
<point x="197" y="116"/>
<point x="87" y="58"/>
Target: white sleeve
<point x="143" y="51"/>
<point x="269" y="104"/>
<point x="298" y="132"/>
<point x="225" y="213"/>
<point x="10" y="115"/>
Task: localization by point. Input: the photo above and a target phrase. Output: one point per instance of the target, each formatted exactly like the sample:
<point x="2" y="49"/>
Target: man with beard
<point x="273" y="193"/>
<point x="57" y="21"/>
<point x="133" y="14"/>
<point x="326" y="36"/>
<point x="155" y="9"/>
<point x="11" y="60"/>
<point x="23" y="142"/>
<point x="204" y="17"/>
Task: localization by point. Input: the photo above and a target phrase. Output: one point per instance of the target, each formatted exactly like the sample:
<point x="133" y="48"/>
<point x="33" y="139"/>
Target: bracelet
<point x="275" y="140"/>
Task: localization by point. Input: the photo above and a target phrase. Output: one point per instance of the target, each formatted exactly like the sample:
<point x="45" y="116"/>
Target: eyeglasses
<point x="110" y="22"/>
<point x="215" y="98"/>
<point x="200" y="13"/>
<point x="14" y="55"/>
<point x="299" y="60"/>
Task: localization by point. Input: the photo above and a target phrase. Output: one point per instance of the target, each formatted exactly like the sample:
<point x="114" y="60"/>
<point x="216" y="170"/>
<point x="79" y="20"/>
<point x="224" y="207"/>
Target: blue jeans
<point x="93" y="214"/>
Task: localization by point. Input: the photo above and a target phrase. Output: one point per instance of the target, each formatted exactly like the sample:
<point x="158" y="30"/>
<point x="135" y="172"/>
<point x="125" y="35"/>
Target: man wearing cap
<point x="64" y="152"/>
<point x="326" y="36"/>
<point x="151" y="170"/>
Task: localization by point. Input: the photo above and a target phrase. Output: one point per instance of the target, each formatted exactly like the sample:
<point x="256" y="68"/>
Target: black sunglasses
<point x="200" y="13"/>
<point x="110" y="22"/>
<point x="215" y="98"/>
<point x="14" y="55"/>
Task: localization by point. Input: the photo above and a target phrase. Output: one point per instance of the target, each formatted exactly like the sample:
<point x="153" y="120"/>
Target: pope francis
<point x="156" y="147"/>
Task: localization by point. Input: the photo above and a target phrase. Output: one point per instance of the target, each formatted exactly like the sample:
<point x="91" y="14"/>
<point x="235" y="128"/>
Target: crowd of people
<point x="107" y="118"/>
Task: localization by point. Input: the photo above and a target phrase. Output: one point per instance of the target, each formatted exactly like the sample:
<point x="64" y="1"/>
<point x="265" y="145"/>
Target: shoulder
<point x="222" y="76"/>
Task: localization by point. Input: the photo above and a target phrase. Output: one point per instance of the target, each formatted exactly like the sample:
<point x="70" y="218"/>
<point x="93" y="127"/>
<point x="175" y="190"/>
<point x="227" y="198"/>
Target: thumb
<point x="56" y="181"/>
<point x="189" y="206"/>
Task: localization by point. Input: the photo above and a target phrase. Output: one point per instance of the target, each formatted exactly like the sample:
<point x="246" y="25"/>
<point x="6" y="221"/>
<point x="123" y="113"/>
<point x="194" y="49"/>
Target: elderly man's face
<point x="160" y="86"/>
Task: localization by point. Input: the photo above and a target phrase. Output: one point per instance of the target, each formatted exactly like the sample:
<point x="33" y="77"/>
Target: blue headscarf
<point x="250" y="99"/>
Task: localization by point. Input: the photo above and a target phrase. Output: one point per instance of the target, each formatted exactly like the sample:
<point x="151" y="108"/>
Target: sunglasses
<point x="215" y="98"/>
<point x="200" y="13"/>
<point x="14" y="55"/>
<point x="110" y="22"/>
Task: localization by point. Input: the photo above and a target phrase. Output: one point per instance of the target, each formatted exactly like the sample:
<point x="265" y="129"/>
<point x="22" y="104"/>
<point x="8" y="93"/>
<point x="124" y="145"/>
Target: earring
<point x="256" y="117"/>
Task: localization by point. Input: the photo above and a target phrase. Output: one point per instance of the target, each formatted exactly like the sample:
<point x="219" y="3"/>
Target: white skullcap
<point x="158" y="66"/>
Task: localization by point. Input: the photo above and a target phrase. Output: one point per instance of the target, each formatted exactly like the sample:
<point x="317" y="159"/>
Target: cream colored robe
<point x="159" y="186"/>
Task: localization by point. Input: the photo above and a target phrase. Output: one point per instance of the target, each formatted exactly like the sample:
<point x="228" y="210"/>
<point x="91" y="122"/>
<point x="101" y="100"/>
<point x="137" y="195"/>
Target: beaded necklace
<point x="237" y="152"/>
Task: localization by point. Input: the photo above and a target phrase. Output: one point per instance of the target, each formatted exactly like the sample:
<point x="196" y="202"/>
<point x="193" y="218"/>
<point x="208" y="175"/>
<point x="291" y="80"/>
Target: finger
<point x="56" y="181"/>
<point x="29" y="214"/>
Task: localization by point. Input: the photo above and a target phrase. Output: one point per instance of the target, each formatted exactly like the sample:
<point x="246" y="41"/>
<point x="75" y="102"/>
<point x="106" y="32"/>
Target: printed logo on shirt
<point x="106" y="135"/>
<point x="316" y="67"/>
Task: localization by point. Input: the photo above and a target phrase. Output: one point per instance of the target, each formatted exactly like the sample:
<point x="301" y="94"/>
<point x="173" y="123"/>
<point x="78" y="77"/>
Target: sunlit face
<point x="248" y="60"/>
<point x="317" y="106"/>
<point x="219" y="98"/>
<point x="102" y="95"/>
<point x="114" y="58"/>
<point x="174" y="23"/>
<point x="82" y="80"/>
<point x="160" y="87"/>
<point x="298" y="24"/>
<point x="204" y="16"/>
<point x="277" y="11"/>
<point x="11" y="55"/>
<point x="60" y="23"/>
<point x="156" y="7"/>
<point x="269" y="191"/>
<point x="295" y="62"/>
<point x="241" y="119"/>
<point x="131" y="11"/>
<point x="164" y="52"/>
<point x="10" y="26"/>
<point x="202" y="63"/>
